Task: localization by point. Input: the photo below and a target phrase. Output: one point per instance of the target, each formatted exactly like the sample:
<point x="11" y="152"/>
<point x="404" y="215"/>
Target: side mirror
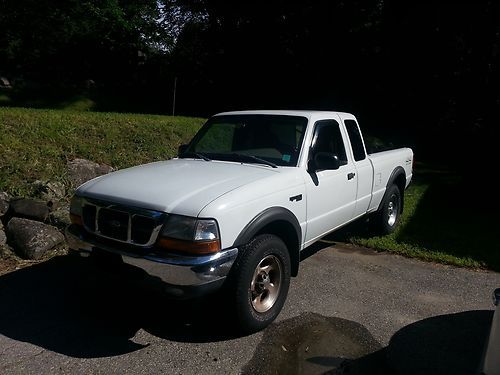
<point x="182" y="149"/>
<point x="323" y="161"/>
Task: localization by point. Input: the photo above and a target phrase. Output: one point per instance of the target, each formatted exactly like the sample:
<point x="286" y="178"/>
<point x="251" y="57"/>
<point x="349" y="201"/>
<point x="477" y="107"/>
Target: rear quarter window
<point x="356" y="141"/>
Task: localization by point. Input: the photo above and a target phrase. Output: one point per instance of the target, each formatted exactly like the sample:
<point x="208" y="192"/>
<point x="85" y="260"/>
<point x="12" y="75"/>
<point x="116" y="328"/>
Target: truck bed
<point x="383" y="165"/>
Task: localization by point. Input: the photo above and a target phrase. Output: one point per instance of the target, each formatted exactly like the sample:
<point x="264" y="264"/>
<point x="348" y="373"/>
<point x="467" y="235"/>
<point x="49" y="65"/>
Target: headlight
<point x="189" y="235"/>
<point x="75" y="210"/>
<point x="179" y="227"/>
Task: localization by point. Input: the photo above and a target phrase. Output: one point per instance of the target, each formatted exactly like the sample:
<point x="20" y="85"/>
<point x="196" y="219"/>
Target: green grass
<point x="444" y="221"/>
<point x="36" y="144"/>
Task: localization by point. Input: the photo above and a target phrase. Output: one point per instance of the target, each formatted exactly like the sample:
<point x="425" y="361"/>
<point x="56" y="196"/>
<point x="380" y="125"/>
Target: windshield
<point x="264" y="139"/>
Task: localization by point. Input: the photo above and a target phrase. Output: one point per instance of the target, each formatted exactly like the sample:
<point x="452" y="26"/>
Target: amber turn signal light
<point x="192" y="247"/>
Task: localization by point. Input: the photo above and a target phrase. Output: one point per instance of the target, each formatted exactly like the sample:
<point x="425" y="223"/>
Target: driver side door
<point x="331" y="193"/>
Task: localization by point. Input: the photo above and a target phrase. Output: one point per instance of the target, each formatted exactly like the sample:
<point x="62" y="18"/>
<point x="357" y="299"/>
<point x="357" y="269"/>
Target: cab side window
<point x="356" y="140"/>
<point x="328" y="138"/>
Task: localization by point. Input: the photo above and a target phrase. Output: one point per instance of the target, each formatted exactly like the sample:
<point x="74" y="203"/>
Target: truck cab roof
<point x="304" y="113"/>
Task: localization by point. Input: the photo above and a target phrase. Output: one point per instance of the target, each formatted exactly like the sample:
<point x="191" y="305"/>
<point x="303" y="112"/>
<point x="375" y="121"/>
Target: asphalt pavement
<point x="350" y="310"/>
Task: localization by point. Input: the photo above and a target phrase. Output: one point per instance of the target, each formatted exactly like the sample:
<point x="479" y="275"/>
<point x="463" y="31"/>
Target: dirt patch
<point x="347" y="248"/>
<point x="7" y="265"/>
<point x="10" y="262"/>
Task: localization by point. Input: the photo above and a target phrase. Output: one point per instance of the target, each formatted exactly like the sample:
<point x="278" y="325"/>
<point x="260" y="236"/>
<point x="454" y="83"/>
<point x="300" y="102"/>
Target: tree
<point x="75" y="40"/>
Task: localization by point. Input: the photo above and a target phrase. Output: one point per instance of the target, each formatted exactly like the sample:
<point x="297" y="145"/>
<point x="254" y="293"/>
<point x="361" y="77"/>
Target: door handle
<point x="351" y="175"/>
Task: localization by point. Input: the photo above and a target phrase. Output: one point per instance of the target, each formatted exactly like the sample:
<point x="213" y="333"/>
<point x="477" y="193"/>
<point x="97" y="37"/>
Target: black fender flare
<point x="267" y="217"/>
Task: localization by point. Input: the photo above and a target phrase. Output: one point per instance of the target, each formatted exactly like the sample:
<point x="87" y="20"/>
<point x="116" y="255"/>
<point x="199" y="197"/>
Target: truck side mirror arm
<point x="311" y="166"/>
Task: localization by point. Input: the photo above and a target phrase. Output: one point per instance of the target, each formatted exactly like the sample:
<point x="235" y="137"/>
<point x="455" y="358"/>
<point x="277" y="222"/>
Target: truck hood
<point x="181" y="186"/>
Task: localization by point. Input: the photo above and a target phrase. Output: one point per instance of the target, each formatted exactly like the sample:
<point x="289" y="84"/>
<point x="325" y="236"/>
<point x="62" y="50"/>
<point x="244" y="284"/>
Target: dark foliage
<point x="62" y="43"/>
<point x="421" y="72"/>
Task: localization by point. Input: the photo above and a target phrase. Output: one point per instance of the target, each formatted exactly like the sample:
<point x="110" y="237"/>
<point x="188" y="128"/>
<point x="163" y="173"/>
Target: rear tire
<point x="389" y="214"/>
<point x="259" y="282"/>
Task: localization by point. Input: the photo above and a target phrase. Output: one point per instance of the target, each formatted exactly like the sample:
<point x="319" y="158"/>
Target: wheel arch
<point x="398" y="178"/>
<point x="280" y="222"/>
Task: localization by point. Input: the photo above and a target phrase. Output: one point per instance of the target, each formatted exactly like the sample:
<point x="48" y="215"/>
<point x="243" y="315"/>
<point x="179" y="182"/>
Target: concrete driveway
<point x="350" y="310"/>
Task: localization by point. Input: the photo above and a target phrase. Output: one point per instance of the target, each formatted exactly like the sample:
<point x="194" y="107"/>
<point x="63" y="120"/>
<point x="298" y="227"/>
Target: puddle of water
<point x="311" y="344"/>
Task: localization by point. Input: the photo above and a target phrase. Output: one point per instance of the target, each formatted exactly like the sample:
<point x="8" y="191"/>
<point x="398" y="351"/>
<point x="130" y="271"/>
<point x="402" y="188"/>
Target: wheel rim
<point x="266" y="283"/>
<point x="392" y="210"/>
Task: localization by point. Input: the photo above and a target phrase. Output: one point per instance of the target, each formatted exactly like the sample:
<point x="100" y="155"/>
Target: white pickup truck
<point x="238" y="205"/>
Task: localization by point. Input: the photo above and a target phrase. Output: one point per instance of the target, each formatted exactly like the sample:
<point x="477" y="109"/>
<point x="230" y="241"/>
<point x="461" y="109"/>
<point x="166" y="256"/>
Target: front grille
<point x="89" y="215"/>
<point x="141" y="228"/>
<point x="113" y="224"/>
<point x="124" y="224"/>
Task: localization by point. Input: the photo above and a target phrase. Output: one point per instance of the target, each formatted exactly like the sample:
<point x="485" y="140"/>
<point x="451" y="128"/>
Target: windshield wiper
<point x="197" y="155"/>
<point x="254" y="159"/>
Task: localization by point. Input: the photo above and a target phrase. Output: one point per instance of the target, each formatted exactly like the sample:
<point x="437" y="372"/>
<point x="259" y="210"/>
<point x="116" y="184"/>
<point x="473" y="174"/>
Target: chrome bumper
<point x="182" y="275"/>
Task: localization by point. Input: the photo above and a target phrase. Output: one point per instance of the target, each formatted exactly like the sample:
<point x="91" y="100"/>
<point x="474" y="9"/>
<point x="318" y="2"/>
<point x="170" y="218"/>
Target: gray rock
<point x="50" y="191"/>
<point x="4" y="203"/>
<point x="32" y="239"/>
<point x="56" y="190"/>
<point x="3" y="238"/>
<point x="60" y="217"/>
<point x="7" y="252"/>
<point x="82" y="170"/>
<point x="5" y="83"/>
<point x="3" y="252"/>
<point x="30" y="208"/>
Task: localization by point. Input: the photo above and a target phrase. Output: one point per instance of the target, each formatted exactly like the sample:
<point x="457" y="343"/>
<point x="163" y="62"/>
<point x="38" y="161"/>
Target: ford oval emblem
<point x="115" y="224"/>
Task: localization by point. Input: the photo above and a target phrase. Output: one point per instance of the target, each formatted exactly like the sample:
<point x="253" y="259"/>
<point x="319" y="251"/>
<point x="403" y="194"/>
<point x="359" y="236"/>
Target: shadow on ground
<point x="314" y="344"/>
<point x="70" y="306"/>
<point x="445" y="344"/>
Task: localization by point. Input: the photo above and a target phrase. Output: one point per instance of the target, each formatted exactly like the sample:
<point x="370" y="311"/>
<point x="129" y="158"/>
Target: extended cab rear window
<point x="275" y="138"/>
<point x="356" y="140"/>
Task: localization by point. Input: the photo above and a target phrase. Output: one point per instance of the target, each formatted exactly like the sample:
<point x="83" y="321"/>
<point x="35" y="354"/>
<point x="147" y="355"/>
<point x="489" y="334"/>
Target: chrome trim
<point x="182" y="260"/>
<point x="129" y="229"/>
<point x="172" y="269"/>
<point x="158" y="216"/>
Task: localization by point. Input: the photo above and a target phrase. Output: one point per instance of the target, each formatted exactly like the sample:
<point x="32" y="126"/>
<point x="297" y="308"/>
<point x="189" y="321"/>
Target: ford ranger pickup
<point x="237" y="206"/>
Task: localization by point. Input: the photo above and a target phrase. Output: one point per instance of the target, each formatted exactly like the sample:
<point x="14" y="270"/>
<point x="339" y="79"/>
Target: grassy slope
<point x="36" y="144"/>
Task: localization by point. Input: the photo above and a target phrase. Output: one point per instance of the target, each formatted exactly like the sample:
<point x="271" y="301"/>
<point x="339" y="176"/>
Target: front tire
<point x="259" y="283"/>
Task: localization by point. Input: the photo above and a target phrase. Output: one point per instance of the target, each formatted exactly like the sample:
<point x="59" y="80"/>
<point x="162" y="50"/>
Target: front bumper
<point x="182" y="276"/>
